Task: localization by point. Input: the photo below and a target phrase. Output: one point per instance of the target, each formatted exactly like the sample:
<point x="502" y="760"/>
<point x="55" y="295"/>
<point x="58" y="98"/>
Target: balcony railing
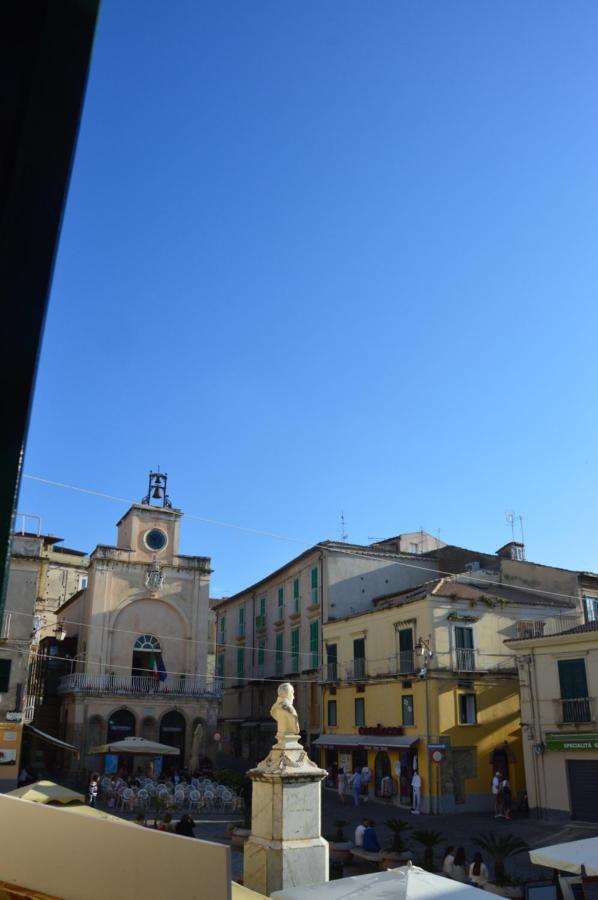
<point x="465" y="659"/>
<point x="356" y="670"/>
<point x="174" y="686"/>
<point x="576" y="710"/>
<point x="406" y="662"/>
<point x="531" y="628"/>
<point x="330" y="672"/>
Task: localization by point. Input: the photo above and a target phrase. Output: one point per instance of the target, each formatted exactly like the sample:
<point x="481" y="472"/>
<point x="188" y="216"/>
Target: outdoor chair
<point x="227" y="799"/>
<point x="195" y="801"/>
<point x="143" y="799"/>
<point x="209" y="799"/>
<point x="129" y="800"/>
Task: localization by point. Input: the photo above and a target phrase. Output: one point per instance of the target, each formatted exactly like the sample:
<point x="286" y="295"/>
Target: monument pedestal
<point x="285" y="848"/>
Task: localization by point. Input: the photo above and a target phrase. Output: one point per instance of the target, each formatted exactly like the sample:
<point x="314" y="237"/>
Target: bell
<point x="157" y="493"/>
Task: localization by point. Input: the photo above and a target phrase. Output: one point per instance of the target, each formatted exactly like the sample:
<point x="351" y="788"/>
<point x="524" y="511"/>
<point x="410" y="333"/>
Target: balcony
<point x="465" y="659"/>
<point x="532" y="628"/>
<point x="330" y="673"/>
<point x="406" y="662"/>
<point x="578" y="710"/>
<point x="260" y="622"/>
<point x="139" y="686"/>
<point x="356" y="670"/>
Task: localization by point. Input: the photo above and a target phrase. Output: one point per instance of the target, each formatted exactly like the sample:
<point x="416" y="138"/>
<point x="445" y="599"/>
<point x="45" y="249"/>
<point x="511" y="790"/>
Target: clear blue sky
<point x="330" y="256"/>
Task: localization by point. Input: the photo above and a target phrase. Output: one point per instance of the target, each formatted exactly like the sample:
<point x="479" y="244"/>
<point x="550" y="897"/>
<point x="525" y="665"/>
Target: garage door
<point x="583" y="788"/>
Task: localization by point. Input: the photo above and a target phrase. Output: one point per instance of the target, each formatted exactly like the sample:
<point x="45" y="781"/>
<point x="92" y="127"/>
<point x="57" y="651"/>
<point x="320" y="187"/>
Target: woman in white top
<point x="459" y="865"/>
<point x="448" y="861"/>
<point x="478" y="873"/>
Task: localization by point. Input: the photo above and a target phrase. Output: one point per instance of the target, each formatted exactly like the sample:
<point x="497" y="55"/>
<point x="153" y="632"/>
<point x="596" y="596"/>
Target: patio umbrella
<point x="569" y="857"/>
<point x="47" y="792"/>
<point x="404" y="883"/>
<point x="136" y="746"/>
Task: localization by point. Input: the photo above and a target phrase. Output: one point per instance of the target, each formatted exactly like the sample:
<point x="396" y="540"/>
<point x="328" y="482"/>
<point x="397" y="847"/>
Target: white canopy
<point x="136" y="746"/>
<point x="405" y="883"/>
<point x="569" y="857"/>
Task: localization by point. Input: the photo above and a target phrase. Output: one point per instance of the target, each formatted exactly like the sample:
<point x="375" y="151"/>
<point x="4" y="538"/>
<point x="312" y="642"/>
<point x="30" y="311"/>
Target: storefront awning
<point x="365" y="741"/>
<point x="50" y="739"/>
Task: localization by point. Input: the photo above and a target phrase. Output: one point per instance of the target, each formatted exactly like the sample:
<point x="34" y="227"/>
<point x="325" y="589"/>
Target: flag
<point x="155" y="673"/>
<point x="161" y="670"/>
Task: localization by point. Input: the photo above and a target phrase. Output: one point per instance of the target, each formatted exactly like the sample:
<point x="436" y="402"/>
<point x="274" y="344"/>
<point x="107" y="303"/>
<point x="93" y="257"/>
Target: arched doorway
<point x="147" y="657"/>
<point x="172" y="732"/>
<point x="121" y="725"/>
<point x="381" y="770"/>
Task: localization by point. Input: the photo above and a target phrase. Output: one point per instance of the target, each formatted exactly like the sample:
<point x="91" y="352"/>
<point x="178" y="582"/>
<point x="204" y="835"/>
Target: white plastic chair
<point x="194" y="801"/>
<point x="209" y="798"/>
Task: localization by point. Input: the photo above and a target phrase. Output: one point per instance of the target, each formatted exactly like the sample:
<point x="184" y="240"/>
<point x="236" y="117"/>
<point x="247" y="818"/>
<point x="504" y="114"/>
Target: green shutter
<point x="241" y="615"/>
<point x="279" y="646"/>
<point x="296" y="594"/>
<point x="572" y="678"/>
<point x="280" y="600"/>
<point x="314" y="632"/>
<point x="261" y="653"/>
<point x="240" y="661"/>
<point x="295" y="649"/>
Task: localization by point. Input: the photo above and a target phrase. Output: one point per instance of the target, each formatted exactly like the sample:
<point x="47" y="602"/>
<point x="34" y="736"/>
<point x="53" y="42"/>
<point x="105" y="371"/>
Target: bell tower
<point x="151" y="528"/>
<point x="156" y="490"/>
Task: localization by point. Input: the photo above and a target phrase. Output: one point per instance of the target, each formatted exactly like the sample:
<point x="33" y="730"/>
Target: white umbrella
<point x="569" y="857"/>
<point x="404" y="883"/>
<point x="136" y="746"/>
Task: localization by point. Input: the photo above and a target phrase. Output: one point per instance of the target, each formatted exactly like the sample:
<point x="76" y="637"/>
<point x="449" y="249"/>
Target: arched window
<point x="121" y="725"/>
<point x="172" y="732"/>
<point x="147" y="642"/>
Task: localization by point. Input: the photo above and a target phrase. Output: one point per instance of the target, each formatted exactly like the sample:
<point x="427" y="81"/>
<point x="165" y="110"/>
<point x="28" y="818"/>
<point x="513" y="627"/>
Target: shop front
<point x="573" y="758"/>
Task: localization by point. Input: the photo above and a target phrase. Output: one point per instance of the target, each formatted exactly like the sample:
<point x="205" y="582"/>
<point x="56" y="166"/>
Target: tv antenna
<point x="510" y="516"/>
<point x="343" y="529"/>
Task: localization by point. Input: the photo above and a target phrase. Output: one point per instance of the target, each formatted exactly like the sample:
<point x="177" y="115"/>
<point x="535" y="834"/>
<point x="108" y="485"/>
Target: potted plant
<point x="500" y="848"/>
<point x="428" y="839"/>
<point x="397" y="853"/>
<point x="339" y="848"/>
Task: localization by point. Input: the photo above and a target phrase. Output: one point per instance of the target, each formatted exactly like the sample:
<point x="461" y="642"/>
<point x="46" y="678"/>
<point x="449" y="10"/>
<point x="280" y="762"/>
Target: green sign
<point x="564" y="742"/>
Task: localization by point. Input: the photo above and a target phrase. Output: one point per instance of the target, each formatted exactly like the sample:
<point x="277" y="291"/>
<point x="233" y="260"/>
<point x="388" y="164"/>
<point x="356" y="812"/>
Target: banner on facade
<point x="564" y="742"/>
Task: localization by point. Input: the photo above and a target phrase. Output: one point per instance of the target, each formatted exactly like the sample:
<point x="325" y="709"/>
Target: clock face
<point x="155" y="539"/>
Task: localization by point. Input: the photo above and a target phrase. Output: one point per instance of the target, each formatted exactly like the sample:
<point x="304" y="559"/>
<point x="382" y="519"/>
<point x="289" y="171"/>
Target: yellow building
<point x="425" y="676"/>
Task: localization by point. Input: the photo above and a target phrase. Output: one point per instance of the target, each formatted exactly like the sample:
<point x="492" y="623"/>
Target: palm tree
<point x="397" y="826"/>
<point x="428" y="839"/>
<point x="500" y="848"/>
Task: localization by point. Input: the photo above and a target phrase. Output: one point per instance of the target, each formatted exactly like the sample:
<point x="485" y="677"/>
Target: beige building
<point x="139" y="638"/>
<point x="558" y="675"/>
<point x="42" y="576"/>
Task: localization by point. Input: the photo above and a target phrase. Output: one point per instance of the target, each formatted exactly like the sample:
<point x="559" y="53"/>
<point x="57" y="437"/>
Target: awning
<point x="52" y="740"/>
<point x="365" y="741"/>
<point x="569" y="857"/>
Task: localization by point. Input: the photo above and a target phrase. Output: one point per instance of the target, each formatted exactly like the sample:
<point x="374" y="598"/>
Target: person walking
<point x="478" y="873"/>
<point x="416" y="788"/>
<point x="460" y="865"/>
<point x="341" y="784"/>
<point x="93" y="789"/>
<point x="356" y="788"/>
<point x="506" y="798"/>
<point x="496" y="782"/>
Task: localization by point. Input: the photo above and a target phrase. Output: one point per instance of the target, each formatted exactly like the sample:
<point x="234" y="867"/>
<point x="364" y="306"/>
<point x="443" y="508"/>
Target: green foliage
<point x="339" y="835"/>
<point x="500" y="848"/>
<point x="229" y="777"/>
<point x="398" y="828"/>
<point x="428" y="839"/>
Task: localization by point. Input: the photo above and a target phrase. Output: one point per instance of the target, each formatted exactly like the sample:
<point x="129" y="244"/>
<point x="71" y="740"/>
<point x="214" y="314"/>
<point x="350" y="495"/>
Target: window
<point x="295" y="650"/>
<point x="240" y="662"/>
<point x="314" y="587"/>
<point x="359" y="658"/>
<point x="412" y="547"/>
<point x="407" y="706"/>
<point x="574" y="690"/>
<point x="467" y="709"/>
<point x="220" y="664"/>
<point x="222" y="628"/>
<point x="280" y="604"/>
<point x="465" y="661"/>
<point x="82" y="582"/>
<point x="295" y="595"/>
<point x="279" y="650"/>
<point x="591" y="608"/>
<point x="241" y="621"/>
<point x="406" y="657"/>
<point x="4" y="675"/>
<point x="332" y="713"/>
<point x="359" y="711"/>
<point x="261" y="653"/>
<point x="261" y="617"/>
<point x="314" y="649"/>
<point x="331" y="662"/>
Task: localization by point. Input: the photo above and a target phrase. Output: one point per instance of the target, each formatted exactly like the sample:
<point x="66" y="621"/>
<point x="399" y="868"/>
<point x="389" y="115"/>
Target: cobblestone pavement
<point x="459" y="830"/>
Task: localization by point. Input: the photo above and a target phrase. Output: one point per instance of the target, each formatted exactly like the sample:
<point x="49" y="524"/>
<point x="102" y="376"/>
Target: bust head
<point x="286" y="691"/>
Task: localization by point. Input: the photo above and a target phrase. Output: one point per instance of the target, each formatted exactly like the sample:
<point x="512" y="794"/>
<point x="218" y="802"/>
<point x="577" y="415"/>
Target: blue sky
<point x="323" y="257"/>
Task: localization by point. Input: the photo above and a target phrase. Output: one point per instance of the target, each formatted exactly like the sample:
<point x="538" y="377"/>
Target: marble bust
<point x="285" y="714"/>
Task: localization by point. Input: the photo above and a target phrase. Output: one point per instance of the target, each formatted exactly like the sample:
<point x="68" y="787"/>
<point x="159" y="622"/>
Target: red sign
<point x="381" y="730"/>
<point x="437" y="756"/>
<point x="217" y="736"/>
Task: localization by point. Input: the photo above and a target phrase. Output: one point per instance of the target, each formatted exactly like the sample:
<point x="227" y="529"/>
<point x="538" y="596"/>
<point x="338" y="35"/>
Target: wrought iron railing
<point x="577" y="709"/>
<point x="356" y="670"/>
<point x="465" y="659"/>
<point x="182" y="686"/>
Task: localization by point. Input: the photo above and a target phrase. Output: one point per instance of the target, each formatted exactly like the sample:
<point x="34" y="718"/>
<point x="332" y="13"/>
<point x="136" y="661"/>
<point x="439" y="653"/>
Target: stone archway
<point x="121" y="725"/>
<point x="173" y="729"/>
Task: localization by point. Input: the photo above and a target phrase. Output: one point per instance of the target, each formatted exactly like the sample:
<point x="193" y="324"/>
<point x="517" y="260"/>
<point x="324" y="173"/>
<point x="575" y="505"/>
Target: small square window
<point x="467" y="709"/>
<point x="5" y="665"/>
<point x="332" y="712"/>
<point x="407" y="706"/>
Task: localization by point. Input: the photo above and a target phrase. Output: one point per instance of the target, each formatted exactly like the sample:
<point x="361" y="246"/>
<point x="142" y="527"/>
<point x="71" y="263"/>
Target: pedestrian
<point x="416" y="787"/>
<point x="496" y="782"/>
<point x="356" y="788"/>
<point x="449" y="861"/>
<point x="93" y="789"/>
<point x="341" y="784"/>
<point x="460" y="865"/>
<point x="478" y="873"/>
<point x="185" y="826"/>
<point x="370" y="838"/>
<point x="359" y="832"/>
<point x="506" y="798"/>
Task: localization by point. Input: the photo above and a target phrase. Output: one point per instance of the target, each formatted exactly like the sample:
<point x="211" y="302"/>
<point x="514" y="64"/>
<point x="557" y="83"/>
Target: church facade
<point x="140" y="639"/>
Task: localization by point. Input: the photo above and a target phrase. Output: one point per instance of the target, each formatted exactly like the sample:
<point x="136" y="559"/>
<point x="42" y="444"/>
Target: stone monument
<point x="285" y="848"/>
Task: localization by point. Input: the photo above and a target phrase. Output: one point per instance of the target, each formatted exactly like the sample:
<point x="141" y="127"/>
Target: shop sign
<point x="567" y="742"/>
<point x="381" y="730"/>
